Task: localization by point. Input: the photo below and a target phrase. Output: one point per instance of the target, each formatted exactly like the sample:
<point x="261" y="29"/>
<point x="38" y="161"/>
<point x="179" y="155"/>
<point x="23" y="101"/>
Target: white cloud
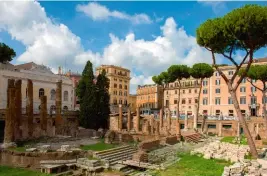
<point x="99" y="12"/>
<point x="218" y="7"/>
<point x="53" y="44"/>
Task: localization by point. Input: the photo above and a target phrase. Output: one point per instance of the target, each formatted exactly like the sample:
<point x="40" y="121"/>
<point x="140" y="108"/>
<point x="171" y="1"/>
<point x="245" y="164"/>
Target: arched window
<point x="125" y="102"/>
<point x="115" y="85"/>
<point x="65" y="108"/>
<point x="125" y="87"/>
<point x="120" y="102"/>
<point x="125" y="93"/>
<point x="53" y="94"/>
<point x="41" y="92"/>
<point x="120" y="86"/>
<point x="120" y="93"/>
<point x="66" y="96"/>
<point x="115" y="101"/>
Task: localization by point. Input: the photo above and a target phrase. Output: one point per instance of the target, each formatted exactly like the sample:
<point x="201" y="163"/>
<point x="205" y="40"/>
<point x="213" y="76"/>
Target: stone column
<point x="10" y="113"/>
<point x="29" y="107"/>
<point x="43" y="112"/>
<point x="137" y="120"/>
<point x="220" y="129"/>
<point x="18" y="104"/>
<point x="58" y="120"/>
<point x="161" y="118"/>
<point x="169" y="120"/>
<point x="120" y="117"/>
<point x="186" y="123"/>
<point x="129" y="119"/>
<point x="152" y="125"/>
<point x="157" y="128"/>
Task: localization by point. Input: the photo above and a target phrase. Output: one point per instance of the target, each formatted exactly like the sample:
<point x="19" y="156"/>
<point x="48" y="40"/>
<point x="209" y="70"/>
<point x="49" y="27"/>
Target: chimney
<point x="59" y="70"/>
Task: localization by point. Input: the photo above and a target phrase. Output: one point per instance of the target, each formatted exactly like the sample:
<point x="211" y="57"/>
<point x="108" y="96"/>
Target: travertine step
<point x="131" y="151"/>
<point x="112" y="150"/>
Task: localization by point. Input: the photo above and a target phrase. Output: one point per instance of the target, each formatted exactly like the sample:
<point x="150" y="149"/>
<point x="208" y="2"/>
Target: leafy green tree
<point x="163" y="80"/>
<point x="102" y="97"/>
<point x="259" y="72"/>
<point x="243" y="29"/>
<point x="200" y="71"/>
<point x="177" y="73"/>
<point x="6" y="53"/>
<point x="86" y="92"/>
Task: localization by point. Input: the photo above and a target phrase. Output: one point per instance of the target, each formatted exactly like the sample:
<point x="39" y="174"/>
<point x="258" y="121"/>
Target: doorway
<point x="253" y="112"/>
<point x="2" y="130"/>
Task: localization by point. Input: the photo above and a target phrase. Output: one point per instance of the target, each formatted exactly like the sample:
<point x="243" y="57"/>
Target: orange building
<point x="149" y="98"/>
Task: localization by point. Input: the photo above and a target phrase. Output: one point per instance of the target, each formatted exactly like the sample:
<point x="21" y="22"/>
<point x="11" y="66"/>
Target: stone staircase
<point x="116" y="154"/>
<point x="193" y="137"/>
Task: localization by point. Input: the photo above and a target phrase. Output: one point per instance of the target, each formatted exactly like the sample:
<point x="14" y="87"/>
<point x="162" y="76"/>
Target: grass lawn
<point x="99" y="146"/>
<point x="192" y="165"/>
<point x="10" y="171"/>
<point x="18" y="149"/>
<point x="230" y="139"/>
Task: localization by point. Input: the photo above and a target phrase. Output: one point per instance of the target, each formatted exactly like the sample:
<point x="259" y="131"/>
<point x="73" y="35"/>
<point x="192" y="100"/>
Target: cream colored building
<point x="149" y="98"/>
<point x="119" y="85"/>
<point x="44" y="83"/>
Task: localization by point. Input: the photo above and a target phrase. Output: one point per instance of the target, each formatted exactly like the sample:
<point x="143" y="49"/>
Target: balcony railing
<point x="254" y="105"/>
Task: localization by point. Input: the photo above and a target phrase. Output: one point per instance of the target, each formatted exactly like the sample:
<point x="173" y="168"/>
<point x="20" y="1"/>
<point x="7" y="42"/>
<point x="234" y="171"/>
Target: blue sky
<point x="145" y="37"/>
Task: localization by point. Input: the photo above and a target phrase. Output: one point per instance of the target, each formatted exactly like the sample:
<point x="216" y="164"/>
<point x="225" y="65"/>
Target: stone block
<point x="65" y="148"/>
<point x="45" y="148"/>
<point x="31" y="150"/>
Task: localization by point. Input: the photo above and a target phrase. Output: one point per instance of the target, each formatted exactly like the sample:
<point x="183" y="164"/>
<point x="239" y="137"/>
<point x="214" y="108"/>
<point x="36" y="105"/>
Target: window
<point x="212" y="126"/>
<point x="66" y="96"/>
<point x="183" y="91"/>
<point x="230" y="100"/>
<point x="218" y="112"/>
<point x="167" y="92"/>
<point x="120" y="86"/>
<point x="175" y="91"/>
<point x="195" y="90"/>
<point x="227" y="126"/>
<point x="253" y="81"/>
<point x="41" y="92"/>
<point x="125" y="93"/>
<point x="264" y="101"/>
<point x="115" y="79"/>
<point x="243" y="112"/>
<point x="125" y="102"/>
<point x="196" y="100"/>
<point x="253" y="89"/>
<point x="242" y="89"/>
<point x="205" y="112"/>
<point x="189" y="101"/>
<point x="115" y="92"/>
<point x="217" y="82"/>
<point x="120" y="101"/>
<point x="217" y="74"/>
<point x="205" y="101"/>
<point x="253" y="100"/>
<point x="189" y="91"/>
<point x="230" y="72"/>
<point x="244" y="80"/>
<point x="217" y="91"/>
<point x="65" y="108"/>
<point x="114" y="101"/>
<point x="115" y="85"/>
<point x="53" y="94"/>
<point x="231" y="113"/>
<point x="52" y="109"/>
<point x="120" y="80"/>
<point x="205" y="83"/>
<point x="242" y="100"/>
<point x="175" y="101"/>
<point x="217" y="101"/>
<point x="183" y="101"/>
<point x="120" y="93"/>
<point x="205" y="91"/>
<point x="125" y="87"/>
<point x="167" y="103"/>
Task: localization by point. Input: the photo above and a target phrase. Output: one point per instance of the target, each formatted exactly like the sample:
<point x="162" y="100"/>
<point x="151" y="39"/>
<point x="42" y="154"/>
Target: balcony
<point x="254" y="105"/>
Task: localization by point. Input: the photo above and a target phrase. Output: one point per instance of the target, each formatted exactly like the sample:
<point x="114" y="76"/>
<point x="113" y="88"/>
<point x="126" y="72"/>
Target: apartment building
<point x="215" y="99"/>
<point x="149" y="98"/>
<point x="119" y="85"/>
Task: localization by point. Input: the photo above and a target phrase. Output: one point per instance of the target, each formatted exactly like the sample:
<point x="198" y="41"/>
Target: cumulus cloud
<point x="99" y="12"/>
<point x="218" y="7"/>
<point x="53" y="44"/>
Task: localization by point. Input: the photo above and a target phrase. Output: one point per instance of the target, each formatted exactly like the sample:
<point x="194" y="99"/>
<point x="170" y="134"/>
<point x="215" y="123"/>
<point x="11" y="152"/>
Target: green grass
<point x="10" y="171"/>
<point x="98" y="146"/>
<point x="192" y="165"/>
<point x="229" y="139"/>
<point x="18" y="149"/>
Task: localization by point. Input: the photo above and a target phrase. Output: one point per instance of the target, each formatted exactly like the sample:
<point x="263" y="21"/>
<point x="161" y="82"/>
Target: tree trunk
<point x="203" y="123"/>
<point x="178" y="132"/>
<point x="242" y="120"/>
<point x="264" y="105"/>
<point x="198" y="102"/>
